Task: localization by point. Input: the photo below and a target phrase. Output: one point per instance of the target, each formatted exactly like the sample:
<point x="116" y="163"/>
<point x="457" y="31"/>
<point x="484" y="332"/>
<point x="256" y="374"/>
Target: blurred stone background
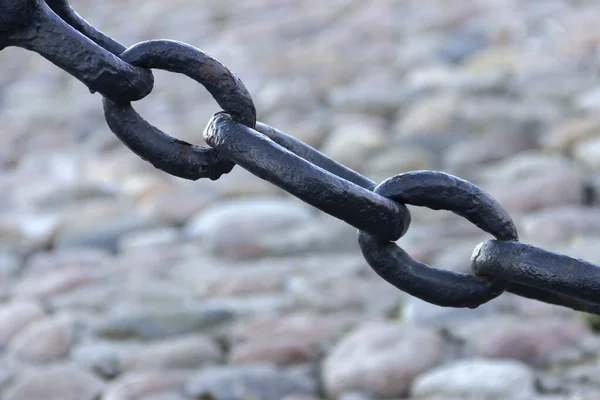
<point x="120" y="282"/>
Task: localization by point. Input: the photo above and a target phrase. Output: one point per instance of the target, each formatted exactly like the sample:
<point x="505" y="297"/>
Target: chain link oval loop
<point x="438" y="191"/>
<point x="169" y="154"/>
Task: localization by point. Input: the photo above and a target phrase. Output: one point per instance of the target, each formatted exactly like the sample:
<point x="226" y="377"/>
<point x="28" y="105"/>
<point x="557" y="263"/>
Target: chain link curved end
<point x="438" y="191"/>
<point x="436" y="286"/>
<point x="225" y="87"/>
<point x="441" y="191"/>
<point x="173" y="156"/>
<point x="167" y="153"/>
<point x="32" y="25"/>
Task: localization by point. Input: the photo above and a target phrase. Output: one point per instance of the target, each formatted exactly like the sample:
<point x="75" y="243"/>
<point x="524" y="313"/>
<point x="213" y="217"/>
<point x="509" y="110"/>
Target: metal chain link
<point x="122" y="75"/>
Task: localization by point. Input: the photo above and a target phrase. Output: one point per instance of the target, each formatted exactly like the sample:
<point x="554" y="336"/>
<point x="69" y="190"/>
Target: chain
<point x="122" y="75"/>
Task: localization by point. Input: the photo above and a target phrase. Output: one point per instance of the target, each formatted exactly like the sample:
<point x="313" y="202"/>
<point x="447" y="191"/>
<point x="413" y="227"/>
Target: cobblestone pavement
<point x="118" y="282"/>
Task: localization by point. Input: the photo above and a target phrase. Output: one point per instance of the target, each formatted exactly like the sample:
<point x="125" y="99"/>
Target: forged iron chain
<point x="121" y="75"/>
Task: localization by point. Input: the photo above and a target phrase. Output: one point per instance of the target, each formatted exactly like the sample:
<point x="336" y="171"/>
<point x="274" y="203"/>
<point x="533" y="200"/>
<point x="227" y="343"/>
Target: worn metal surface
<point x="343" y="199"/>
<point x="171" y="155"/>
<point x="314" y="156"/>
<point x="438" y="191"/>
<point x="64" y="11"/>
<point x="558" y="278"/>
<point x="32" y="25"/>
<point x="56" y="32"/>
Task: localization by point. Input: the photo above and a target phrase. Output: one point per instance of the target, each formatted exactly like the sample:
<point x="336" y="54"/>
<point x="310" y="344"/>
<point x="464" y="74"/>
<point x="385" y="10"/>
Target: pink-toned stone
<point x="191" y="352"/>
<point x="300" y="397"/>
<point x="381" y="359"/>
<point x="245" y="283"/>
<point x="282" y="352"/>
<point x="59" y="381"/>
<point x="43" y="340"/>
<point x="139" y="384"/>
<point x="307" y="325"/>
<point x="72" y="258"/>
<point x="16" y="316"/>
<point x="535" y="341"/>
<point x="53" y="282"/>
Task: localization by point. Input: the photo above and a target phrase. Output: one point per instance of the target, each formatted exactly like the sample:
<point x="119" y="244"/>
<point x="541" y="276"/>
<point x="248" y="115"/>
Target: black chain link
<point x="54" y="31"/>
